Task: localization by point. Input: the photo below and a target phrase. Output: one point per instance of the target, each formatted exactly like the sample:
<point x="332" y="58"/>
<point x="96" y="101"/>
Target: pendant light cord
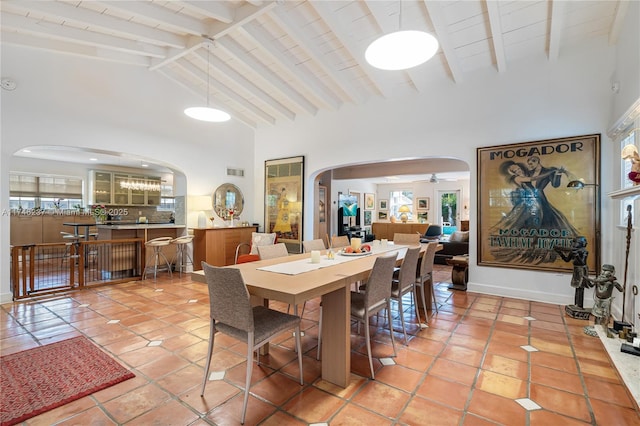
<point x="208" y="71"/>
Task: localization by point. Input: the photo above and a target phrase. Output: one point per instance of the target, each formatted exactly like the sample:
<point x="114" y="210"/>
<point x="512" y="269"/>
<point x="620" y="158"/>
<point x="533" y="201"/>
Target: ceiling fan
<point x="435" y="179"/>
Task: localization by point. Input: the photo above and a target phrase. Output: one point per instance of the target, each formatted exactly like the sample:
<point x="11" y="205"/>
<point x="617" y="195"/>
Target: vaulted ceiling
<point x="270" y="61"/>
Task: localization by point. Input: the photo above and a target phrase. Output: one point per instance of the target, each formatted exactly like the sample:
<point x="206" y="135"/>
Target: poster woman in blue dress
<point x="531" y="211"/>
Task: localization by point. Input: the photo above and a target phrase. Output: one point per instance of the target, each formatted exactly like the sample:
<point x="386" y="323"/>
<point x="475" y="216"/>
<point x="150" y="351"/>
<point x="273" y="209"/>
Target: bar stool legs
<point x="182" y="258"/>
<point x="157" y="244"/>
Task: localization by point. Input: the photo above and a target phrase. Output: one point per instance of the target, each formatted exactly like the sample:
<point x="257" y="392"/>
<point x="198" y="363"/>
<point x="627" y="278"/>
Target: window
<point x="629" y="139"/>
<point x="398" y="199"/>
<point x="28" y="191"/>
<point x="167" y="204"/>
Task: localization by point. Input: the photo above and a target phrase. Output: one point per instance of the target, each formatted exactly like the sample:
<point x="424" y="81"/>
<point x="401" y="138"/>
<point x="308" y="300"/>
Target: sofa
<point x="456" y="245"/>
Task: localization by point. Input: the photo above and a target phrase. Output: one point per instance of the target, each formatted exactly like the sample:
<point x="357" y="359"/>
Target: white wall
<point x="568" y="97"/>
<point x="65" y="100"/>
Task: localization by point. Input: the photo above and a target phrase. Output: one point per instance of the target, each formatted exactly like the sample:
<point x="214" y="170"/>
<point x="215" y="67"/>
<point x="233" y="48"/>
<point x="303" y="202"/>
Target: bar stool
<point x="73" y="240"/>
<point x="182" y="257"/>
<point x="157" y="244"/>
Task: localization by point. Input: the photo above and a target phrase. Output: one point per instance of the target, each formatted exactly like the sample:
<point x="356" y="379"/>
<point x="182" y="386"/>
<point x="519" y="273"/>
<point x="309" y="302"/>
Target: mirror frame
<point x="219" y="200"/>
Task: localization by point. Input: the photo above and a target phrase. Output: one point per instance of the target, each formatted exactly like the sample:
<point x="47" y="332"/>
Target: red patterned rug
<point x="43" y="378"/>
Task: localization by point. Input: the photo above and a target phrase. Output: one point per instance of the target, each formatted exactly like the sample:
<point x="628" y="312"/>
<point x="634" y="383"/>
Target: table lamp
<point x="403" y="210"/>
<point x="202" y="203"/>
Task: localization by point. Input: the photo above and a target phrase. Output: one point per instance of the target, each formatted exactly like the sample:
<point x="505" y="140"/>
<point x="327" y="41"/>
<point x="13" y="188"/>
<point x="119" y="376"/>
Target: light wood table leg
<point x="336" y="341"/>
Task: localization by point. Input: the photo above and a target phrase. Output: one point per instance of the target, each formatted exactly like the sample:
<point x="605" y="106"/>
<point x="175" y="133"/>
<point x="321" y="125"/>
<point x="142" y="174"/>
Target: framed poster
<point x="383" y="205"/>
<point x="322" y="202"/>
<point x="369" y="201"/>
<point x="283" y="212"/>
<point x="526" y="212"/>
<point x="383" y="215"/>
<point x="423" y="203"/>
<point x="367" y="217"/>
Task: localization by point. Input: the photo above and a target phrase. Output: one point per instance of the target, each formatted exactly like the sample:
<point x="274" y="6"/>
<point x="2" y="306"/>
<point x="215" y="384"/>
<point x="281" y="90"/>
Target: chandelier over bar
<point x="140" y="185"/>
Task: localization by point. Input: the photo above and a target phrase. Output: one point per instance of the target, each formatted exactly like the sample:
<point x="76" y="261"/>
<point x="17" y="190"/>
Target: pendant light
<point x="207" y="113"/>
<point x="401" y="50"/>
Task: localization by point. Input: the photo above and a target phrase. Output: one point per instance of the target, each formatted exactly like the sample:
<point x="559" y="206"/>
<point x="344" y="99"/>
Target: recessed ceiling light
<point x="93" y="159"/>
<point x="144" y="165"/>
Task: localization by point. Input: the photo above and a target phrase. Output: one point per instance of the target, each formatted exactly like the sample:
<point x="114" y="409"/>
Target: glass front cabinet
<point x="122" y="189"/>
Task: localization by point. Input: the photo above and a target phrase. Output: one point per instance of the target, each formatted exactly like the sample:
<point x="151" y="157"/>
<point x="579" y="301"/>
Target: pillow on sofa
<point x="260" y="239"/>
<point x="461" y="236"/>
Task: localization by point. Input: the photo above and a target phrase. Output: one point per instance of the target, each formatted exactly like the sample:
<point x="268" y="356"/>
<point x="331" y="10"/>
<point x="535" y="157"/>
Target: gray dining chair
<point x="340" y="241"/>
<point x="424" y="277"/>
<point x="375" y="298"/>
<point x="406" y="284"/>
<point x="317" y="244"/>
<point x="273" y="251"/>
<point x="231" y="313"/>
<point x="406" y="239"/>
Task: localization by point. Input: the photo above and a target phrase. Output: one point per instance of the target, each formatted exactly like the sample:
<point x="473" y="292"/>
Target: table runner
<point x="304" y="265"/>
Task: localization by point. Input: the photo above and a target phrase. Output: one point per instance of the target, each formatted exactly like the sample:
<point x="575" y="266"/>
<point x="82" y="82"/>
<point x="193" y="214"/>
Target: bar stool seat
<point x="182" y="257"/>
<point x="157" y="244"/>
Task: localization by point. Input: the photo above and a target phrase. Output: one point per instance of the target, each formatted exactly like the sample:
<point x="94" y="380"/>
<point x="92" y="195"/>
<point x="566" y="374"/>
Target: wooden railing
<point x="39" y="269"/>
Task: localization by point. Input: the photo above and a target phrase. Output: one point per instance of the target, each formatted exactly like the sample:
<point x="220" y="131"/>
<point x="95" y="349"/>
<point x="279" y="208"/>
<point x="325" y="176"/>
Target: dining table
<point x="294" y="279"/>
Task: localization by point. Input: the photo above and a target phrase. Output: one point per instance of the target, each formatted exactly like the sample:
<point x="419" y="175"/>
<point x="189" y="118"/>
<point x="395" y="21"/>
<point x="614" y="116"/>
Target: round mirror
<point x="228" y="198"/>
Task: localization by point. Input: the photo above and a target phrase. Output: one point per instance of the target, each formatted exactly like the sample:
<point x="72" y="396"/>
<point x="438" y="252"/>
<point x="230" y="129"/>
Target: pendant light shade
<point x="401" y="50"/>
<point x="207" y="113"/>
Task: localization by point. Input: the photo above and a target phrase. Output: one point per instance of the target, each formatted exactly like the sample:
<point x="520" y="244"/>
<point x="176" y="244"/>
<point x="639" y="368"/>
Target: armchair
<point x="251" y="250"/>
<point x="433" y="233"/>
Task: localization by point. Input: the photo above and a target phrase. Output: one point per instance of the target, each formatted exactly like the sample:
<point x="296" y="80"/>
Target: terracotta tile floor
<point x="467" y="368"/>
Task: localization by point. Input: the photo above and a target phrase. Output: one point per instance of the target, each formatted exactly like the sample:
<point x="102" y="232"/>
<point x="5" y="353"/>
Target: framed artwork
<point x="383" y="215"/>
<point x="367" y="217"/>
<point x="423" y="203"/>
<point x="322" y="202"/>
<point x="383" y="205"/>
<point x="369" y="201"/>
<point x="528" y="216"/>
<point x="283" y="212"/>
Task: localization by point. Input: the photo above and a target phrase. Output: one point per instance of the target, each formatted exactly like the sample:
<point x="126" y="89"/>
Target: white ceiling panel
<point x="274" y="61"/>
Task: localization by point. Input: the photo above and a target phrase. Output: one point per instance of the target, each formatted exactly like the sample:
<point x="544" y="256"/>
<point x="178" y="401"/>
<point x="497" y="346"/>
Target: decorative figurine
<point x="603" y="294"/>
<point x="630" y="152"/>
<point x="580" y="280"/>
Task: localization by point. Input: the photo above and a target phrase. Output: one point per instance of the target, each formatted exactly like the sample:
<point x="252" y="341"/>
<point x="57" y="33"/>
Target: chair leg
<point x="415" y="303"/>
<point x="368" y="339"/>
<point x="433" y="292"/>
<point x="212" y="334"/>
<point x="247" y="383"/>
<point x="424" y="304"/>
<point x="299" y="348"/>
<point x="393" y="341"/>
<point x="404" y="330"/>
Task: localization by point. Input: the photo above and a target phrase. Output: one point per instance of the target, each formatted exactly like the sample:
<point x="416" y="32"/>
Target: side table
<point x="459" y="273"/>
